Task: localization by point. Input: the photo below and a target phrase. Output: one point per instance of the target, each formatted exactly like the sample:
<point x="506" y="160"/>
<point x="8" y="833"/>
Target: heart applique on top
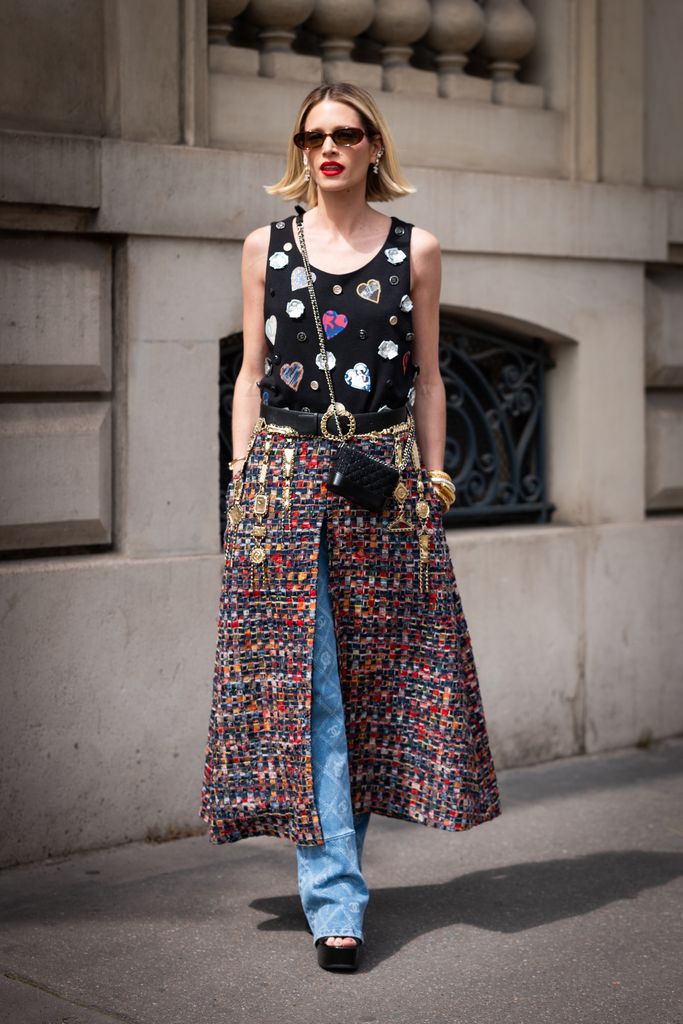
<point x="298" y="278"/>
<point x="292" y="374"/>
<point x="358" y="376"/>
<point x="370" y="290"/>
<point x="334" y="323"/>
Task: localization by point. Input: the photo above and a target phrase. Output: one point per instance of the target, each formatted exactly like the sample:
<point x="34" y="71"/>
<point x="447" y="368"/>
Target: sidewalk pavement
<point x="565" y="909"/>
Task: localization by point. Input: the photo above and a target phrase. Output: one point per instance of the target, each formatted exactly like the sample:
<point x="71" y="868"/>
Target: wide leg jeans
<point x="333" y="892"/>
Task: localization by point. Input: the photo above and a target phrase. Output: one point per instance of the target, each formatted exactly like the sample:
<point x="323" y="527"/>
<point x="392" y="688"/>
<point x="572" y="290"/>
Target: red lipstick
<point x="330" y="169"/>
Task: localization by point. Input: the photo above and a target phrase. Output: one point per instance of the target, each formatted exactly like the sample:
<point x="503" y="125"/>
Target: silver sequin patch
<point x="411" y="396"/>
<point x="278" y="260"/>
<point x="271" y="329"/>
<point x="395" y="256"/>
<point x="331" y="361"/>
<point x="287" y="246"/>
<point x="267" y="366"/>
<point x="388" y="349"/>
<point x="295" y="308"/>
<point x="280" y="224"/>
<point x="406" y="303"/>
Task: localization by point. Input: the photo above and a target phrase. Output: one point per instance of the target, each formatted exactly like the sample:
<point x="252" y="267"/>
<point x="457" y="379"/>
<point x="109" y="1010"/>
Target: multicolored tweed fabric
<point x="415" y="726"/>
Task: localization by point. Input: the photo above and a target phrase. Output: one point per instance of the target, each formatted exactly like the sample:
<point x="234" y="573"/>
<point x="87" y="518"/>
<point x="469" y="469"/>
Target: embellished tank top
<point x="367" y="323"/>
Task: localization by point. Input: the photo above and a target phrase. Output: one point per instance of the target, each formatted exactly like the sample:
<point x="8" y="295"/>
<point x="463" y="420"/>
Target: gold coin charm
<point x="422" y="509"/>
<point x="257" y="555"/>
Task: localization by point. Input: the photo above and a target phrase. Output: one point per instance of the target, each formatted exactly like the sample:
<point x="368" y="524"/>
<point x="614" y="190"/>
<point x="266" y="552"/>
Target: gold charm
<point x="422" y="509"/>
<point x="400" y="492"/>
<point x="236" y="515"/>
<point x="257" y="554"/>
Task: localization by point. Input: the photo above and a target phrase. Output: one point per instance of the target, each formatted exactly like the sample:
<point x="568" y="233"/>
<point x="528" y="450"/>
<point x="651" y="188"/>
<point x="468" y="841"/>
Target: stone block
<point x="183" y="290"/>
<point x="664" y="328"/>
<point x="368" y="76"/>
<point x="518" y="94"/>
<point x="55" y="326"/>
<point x="145" y="42"/>
<point x="634" y="609"/>
<point x="52" y="170"/>
<point x="107" y="666"/>
<point x="465" y="87"/>
<point x="52" y="67"/>
<point x="664" y="450"/>
<point x="409" y="79"/>
<point x="233" y="60"/>
<point x="170" y="483"/>
<point x="296" y="67"/>
<point x="527" y="647"/>
<point x="55" y="467"/>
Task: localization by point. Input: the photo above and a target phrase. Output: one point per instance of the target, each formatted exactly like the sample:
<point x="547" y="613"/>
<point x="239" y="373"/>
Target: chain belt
<point x="317" y="423"/>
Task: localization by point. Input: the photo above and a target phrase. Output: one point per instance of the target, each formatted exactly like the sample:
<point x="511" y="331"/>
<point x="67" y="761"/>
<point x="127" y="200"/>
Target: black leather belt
<point x="310" y="422"/>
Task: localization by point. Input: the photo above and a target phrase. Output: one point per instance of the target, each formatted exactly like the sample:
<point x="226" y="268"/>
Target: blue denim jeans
<point x="332" y="889"/>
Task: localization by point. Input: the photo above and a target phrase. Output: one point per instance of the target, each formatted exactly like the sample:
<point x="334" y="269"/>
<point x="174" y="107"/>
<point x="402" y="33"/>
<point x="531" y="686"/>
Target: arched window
<point x="495" y="437"/>
<point x="495" y="443"/>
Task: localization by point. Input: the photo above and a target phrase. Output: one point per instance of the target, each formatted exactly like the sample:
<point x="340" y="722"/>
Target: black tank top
<point x="367" y="324"/>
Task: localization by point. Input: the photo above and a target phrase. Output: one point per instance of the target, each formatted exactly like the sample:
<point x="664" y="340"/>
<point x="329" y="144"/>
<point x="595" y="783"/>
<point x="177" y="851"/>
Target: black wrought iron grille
<point x="495" y="440"/>
<point x="495" y="435"/>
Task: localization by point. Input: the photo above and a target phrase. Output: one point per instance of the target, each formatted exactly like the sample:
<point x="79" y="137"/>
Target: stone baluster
<point x="225" y="59"/>
<point x="221" y="13"/>
<point x="396" y="25"/>
<point x="508" y="37"/>
<point x="339" y="24"/>
<point x="456" y="27"/>
<point x="277" y="20"/>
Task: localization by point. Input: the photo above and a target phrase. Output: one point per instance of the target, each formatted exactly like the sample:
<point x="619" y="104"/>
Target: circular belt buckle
<point x="341" y="411"/>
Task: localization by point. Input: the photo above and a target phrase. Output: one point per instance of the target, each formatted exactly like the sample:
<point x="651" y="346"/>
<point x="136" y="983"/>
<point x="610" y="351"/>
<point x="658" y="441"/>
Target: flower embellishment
<point x="388" y="349"/>
<point x="395" y="256"/>
<point x="278" y="260"/>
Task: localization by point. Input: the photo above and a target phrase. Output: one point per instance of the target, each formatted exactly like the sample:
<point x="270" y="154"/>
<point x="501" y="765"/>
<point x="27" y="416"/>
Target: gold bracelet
<point x="234" y="461"/>
<point x="439" y="474"/>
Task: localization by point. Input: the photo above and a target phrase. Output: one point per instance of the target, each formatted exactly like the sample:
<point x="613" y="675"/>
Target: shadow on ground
<point x="509" y="899"/>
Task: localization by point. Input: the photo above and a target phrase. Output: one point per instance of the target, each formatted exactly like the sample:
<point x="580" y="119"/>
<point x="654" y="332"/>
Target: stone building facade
<point x="544" y="141"/>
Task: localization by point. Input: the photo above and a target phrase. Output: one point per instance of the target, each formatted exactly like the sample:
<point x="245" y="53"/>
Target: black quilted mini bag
<point x="354" y="474"/>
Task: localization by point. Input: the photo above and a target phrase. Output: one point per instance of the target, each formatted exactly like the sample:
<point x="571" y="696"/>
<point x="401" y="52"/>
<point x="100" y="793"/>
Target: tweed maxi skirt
<point x="418" y="746"/>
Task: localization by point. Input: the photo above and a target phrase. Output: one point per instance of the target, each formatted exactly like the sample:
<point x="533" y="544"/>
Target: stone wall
<point x="132" y="155"/>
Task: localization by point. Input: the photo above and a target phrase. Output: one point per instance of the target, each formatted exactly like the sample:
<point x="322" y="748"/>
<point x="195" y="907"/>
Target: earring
<point x="307" y="170"/>
<point x="375" y="166"/>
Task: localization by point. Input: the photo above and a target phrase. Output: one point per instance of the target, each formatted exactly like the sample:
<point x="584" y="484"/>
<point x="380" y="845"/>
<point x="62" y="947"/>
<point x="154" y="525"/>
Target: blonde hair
<point x="387" y="184"/>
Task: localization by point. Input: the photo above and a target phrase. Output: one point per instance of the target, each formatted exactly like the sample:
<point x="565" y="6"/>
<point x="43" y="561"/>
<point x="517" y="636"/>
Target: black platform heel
<point x="338" y="958"/>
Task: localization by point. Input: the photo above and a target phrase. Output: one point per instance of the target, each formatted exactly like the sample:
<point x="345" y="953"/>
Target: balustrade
<point x="395" y="45"/>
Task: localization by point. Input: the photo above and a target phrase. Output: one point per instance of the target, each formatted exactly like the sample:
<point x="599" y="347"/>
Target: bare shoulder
<point x="256" y="243"/>
<point x="255" y="253"/>
<point x="425" y="245"/>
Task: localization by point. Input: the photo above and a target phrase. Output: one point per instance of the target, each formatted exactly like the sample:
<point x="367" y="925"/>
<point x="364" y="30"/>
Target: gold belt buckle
<point x="341" y="411"/>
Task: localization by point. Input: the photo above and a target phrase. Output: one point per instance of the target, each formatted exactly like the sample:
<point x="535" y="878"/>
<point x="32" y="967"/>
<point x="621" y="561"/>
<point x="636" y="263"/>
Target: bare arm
<point x="429" y="409"/>
<point x="247" y="396"/>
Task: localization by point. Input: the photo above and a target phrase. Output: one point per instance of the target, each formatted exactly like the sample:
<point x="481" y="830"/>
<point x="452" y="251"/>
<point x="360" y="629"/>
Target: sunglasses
<point x="340" y="137"/>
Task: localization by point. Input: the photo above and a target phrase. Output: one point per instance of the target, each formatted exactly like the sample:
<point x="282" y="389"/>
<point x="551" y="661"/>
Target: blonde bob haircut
<point x="388" y="184"/>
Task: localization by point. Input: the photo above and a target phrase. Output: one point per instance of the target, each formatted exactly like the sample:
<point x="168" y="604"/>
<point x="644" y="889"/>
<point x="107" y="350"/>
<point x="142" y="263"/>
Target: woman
<point x="345" y="682"/>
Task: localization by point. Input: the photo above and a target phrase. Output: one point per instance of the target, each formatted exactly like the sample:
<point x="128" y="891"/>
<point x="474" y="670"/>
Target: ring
<point x="341" y="411"/>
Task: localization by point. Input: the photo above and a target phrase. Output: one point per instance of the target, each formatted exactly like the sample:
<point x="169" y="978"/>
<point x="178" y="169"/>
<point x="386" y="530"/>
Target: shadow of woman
<point x="508" y="899"/>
